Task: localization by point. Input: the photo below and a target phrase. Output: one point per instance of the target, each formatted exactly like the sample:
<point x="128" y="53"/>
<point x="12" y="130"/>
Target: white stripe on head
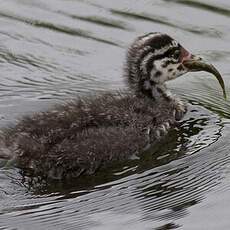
<point x="150" y="55"/>
<point x="148" y="36"/>
<point x="165" y="48"/>
<point x="145" y="61"/>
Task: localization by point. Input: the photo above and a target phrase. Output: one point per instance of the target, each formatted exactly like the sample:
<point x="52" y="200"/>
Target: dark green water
<point x="51" y="51"/>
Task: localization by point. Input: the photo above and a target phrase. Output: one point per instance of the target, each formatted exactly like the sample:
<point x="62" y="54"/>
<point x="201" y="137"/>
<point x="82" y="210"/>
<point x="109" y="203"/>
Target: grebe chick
<point x="84" y="135"/>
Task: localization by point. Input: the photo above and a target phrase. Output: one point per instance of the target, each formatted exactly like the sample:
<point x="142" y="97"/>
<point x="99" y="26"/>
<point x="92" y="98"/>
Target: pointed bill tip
<point x="201" y="65"/>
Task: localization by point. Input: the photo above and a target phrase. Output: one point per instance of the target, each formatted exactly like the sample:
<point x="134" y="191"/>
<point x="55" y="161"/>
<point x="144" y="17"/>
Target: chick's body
<point x="84" y="135"/>
<point x="80" y="137"/>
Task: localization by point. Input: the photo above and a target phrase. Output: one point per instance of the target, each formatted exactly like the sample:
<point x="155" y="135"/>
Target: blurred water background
<point x="52" y="51"/>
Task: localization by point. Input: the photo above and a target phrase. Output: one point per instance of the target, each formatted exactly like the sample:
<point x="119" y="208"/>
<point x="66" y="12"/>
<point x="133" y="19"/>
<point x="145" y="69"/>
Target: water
<point x="51" y="51"/>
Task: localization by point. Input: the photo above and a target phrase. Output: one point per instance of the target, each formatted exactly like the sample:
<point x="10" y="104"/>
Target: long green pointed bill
<point x="201" y="65"/>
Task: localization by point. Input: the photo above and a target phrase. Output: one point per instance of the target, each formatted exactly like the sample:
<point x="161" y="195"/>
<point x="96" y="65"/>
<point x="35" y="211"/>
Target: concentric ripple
<point x="158" y="189"/>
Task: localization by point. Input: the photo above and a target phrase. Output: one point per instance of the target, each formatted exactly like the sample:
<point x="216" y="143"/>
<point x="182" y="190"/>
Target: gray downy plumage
<point x="81" y="136"/>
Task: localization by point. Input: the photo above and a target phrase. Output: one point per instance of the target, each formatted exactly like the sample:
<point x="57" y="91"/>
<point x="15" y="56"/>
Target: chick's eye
<point x="176" y="54"/>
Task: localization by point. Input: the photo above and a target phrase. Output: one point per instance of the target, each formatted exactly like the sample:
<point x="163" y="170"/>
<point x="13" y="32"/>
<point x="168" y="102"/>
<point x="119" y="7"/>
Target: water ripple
<point x="57" y="28"/>
<point x="51" y="50"/>
<point x="160" y="20"/>
<point x="163" y="192"/>
<point x="202" y="5"/>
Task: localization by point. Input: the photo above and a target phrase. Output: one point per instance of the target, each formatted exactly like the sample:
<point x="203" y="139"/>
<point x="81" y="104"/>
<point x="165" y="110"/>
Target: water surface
<point x="52" y="51"/>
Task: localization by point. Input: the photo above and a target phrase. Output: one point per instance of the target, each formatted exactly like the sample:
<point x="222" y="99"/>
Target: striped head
<point x="153" y="59"/>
